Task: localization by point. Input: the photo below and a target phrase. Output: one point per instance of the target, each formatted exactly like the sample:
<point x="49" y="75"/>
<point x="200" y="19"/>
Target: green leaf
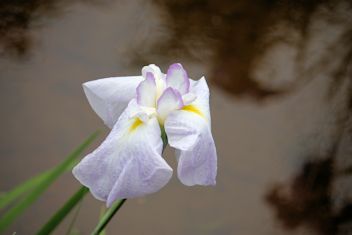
<point x="14" y="212"/>
<point x="8" y="197"/>
<point x="108" y="216"/>
<point x="56" y="219"/>
<point x="71" y="230"/>
<point x="74" y="232"/>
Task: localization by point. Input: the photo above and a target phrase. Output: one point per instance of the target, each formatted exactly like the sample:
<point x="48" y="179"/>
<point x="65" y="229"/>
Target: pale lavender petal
<point x="201" y="90"/>
<point x="128" y="163"/>
<point x="169" y="101"/>
<point x="146" y="91"/>
<point x="199" y="165"/>
<point x="109" y="96"/>
<point x="190" y="134"/>
<point x="177" y="78"/>
<point x="189" y="131"/>
<point x="158" y="75"/>
<point x="155" y="70"/>
<point x="188" y="98"/>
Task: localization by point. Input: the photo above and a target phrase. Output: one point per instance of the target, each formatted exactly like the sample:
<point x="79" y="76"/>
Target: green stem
<point x="163" y="137"/>
<point x="108" y="216"/>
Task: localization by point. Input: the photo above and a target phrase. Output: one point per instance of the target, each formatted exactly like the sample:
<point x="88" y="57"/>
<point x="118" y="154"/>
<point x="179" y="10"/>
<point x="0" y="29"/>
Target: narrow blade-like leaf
<point x="63" y="212"/>
<point x="14" y="212"/>
<point x="8" y="197"/>
<point x="71" y="228"/>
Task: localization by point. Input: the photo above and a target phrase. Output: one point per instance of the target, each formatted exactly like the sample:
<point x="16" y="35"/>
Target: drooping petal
<point x="177" y="78"/>
<point x="196" y="152"/>
<point x="170" y="100"/>
<point x="189" y="131"/>
<point x="110" y="96"/>
<point x="128" y="163"/>
<point x="146" y="91"/>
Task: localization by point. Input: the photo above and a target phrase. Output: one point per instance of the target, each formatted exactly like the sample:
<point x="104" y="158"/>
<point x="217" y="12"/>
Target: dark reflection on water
<point x="235" y="33"/>
<point x="293" y="151"/>
<point x="18" y="17"/>
<point x="310" y="199"/>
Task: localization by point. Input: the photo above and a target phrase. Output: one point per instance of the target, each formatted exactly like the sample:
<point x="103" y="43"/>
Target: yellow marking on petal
<point x="193" y="109"/>
<point x="137" y="122"/>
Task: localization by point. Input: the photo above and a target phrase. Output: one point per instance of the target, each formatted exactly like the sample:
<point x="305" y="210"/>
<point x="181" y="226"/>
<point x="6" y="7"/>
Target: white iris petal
<point x="128" y="163"/>
<point x="189" y="132"/>
<point x="110" y="96"/>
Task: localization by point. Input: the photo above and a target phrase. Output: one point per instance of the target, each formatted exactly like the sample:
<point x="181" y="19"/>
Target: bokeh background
<point x="281" y="99"/>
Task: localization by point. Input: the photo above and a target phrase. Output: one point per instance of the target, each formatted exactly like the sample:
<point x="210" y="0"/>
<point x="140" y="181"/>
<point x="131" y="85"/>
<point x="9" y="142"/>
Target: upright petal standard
<point x="139" y="109"/>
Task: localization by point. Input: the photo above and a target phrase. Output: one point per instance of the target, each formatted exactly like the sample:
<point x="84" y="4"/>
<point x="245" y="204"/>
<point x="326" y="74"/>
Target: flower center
<point x="160" y="94"/>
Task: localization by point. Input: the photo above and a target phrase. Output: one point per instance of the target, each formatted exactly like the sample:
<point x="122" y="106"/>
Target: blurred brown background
<point x="281" y="99"/>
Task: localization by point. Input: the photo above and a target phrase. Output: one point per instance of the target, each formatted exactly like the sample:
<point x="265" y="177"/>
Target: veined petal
<point x="169" y="101"/>
<point x="198" y="109"/>
<point x="177" y="78"/>
<point x="128" y="163"/>
<point x="188" y="130"/>
<point x="196" y="153"/>
<point x="146" y="91"/>
<point x="110" y="96"/>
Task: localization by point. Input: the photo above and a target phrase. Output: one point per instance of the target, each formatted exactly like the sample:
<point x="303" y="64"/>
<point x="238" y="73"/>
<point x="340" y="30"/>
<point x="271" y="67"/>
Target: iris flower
<point x="140" y="110"/>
